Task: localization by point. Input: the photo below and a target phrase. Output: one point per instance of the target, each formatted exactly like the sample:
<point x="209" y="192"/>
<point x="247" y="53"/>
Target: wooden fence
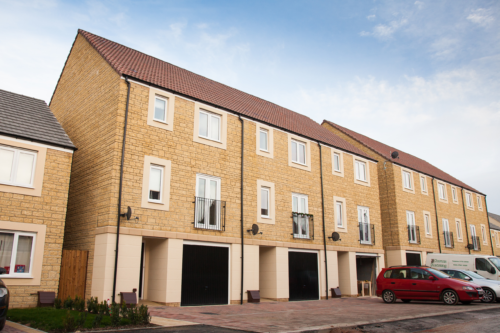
<point x="73" y="274"/>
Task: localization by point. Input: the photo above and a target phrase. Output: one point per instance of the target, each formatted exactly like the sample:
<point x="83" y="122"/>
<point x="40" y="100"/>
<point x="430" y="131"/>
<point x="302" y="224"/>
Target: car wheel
<point x="488" y="296"/>
<point x="388" y="296"/>
<point x="406" y="300"/>
<point x="450" y="297"/>
<point x="466" y="302"/>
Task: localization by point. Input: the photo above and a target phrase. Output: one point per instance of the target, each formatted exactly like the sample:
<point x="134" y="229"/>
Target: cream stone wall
<point x="250" y="271"/>
<point x="333" y="272"/>
<point x="273" y="273"/>
<point x="43" y="214"/>
<point x="348" y="281"/>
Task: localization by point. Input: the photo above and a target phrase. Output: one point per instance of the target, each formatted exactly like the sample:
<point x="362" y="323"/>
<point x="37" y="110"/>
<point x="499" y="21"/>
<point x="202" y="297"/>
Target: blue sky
<point x="423" y="76"/>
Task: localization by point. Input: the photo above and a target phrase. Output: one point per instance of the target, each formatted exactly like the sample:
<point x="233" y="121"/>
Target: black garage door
<point x="413" y="259"/>
<point x="303" y="276"/>
<point x="205" y="274"/>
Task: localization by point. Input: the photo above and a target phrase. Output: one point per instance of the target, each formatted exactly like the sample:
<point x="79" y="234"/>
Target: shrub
<point x="144" y="314"/>
<point x="69" y="322"/>
<point x="57" y="303"/>
<point x="79" y="304"/>
<point x="68" y="303"/>
<point x="81" y="319"/>
<point x="103" y="308"/>
<point x="92" y="305"/>
<point x="97" y="320"/>
<point x="115" y="314"/>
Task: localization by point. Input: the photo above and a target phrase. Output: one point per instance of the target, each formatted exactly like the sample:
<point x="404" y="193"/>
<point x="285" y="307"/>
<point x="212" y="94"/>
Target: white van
<point x="487" y="266"/>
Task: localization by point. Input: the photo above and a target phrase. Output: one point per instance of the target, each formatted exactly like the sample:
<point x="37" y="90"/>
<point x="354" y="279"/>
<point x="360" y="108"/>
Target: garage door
<point x="205" y="274"/>
<point x="303" y="276"/>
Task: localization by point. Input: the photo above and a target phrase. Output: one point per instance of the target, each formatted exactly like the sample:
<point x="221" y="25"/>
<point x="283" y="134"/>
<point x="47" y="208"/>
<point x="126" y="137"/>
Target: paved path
<point x="310" y="315"/>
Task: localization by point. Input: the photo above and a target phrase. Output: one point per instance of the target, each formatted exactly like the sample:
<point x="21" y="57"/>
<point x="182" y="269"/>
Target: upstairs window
<point x="298" y="152"/>
<point x="155" y="183"/>
<point x="210" y="126"/>
<point x="360" y="170"/>
<point x="17" y="166"/>
<point x="264" y="205"/>
<point x="339" y="216"/>
<point x="459" y="229"/>
<point x="468" y="199"/>
<point x="479" y="206"/>
<point x="454" y="193"/>
<point x="336" y="162"/>
<point x="264" y="141"/>
<point x="423" y="184"/>
<point x="427" y="221"/>
<point x="442" y="191"/>
<point x="160" y="109"/>
<point x="407" y="180"/>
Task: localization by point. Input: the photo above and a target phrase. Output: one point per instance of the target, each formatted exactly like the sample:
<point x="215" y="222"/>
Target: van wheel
<point x="450" y="297"/>
<point x="406" y="300"/>
<point x="489" y="296"/>
<point x="388" y="296"/>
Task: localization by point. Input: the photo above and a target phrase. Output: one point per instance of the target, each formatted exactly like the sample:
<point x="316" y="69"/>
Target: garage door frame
<point x="319" y="267"/>
<point x="188" y="242"/>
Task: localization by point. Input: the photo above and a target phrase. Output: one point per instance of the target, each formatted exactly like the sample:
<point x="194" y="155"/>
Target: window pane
<point x="336" y="162"/>
<point x="340" y="222"/>
<point x="201" y="187"/>
<point x="160" y="109"/>
<point x="6" y="160"/>
<point x="25" y="168"/>
<point x="215" y="128"/>
<point x="362" y="172"/>
<point x="264" y="194"/>
<point x="203" y="125"/>
<point x="302" y="153"/>
<point x="420" y="274"/>
<point x="23" y="256"/>
<point x="6" y="243"/>
<point x="155" y="176"/>
<point x="213" y="190"/>
<point x="294" y="151"/>
<point x="295" y="204"/>
<point x="263" y="140"/>
<point x="302" y="208"/>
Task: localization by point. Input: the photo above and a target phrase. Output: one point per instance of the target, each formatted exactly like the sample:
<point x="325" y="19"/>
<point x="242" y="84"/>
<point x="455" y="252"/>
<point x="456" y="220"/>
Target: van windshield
<point x="439" y="274"/>
<point x="495" y="262"/>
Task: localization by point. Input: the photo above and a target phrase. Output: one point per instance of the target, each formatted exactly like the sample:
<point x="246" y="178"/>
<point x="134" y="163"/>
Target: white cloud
<point x="371" y="17"/>
<point x="384" y="31"/>
<point x="419" y="4"/>
<point x="481" y="16"/>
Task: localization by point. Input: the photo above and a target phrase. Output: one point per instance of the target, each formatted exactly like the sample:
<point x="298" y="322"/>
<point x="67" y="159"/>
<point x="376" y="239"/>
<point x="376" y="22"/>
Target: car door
<point x="485" y="268"/>
<point x="400" y="284"/>
<point x="421" y="286"/>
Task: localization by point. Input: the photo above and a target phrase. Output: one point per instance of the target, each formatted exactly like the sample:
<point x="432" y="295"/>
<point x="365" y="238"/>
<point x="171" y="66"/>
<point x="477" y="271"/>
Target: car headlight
<point x="468" y="288"/>
<point x="3" y="292"/>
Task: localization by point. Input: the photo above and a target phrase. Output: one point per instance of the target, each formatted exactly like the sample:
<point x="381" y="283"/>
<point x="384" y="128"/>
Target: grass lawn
<point x="51" y="319"/>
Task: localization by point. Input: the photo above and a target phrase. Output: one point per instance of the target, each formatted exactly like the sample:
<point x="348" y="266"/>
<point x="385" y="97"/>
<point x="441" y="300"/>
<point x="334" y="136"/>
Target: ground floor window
<point x="16" y="252"/>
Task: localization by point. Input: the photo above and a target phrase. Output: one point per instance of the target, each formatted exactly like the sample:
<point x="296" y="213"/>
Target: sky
<point x="422" y="76"/>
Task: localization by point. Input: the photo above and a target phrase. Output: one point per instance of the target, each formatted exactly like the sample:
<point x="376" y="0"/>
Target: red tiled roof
<point x="134" y="64"/>
<point x="404" y="159"/>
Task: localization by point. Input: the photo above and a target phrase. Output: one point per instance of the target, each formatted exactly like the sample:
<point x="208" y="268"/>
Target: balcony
<point x="448" y="239"/>
<point x="303" y="226"/>
<point x="476" y="245"/>
<point x="366" y="233"/>
<point x="413" y="234"/>
<point x="209" y="214"/>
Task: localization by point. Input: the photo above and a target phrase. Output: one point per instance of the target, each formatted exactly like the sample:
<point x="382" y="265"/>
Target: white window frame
<point x="336" y="158"/>
<point x="162" y="170"/>
<point x="15" y="165"/>
<point x="454" y="194"/>
<point x="473" y="236"/>
<point x="12" y="274"/>
<point x="207" y="179"/>
<point x="299" y="197"/>
<point x="268" y="190"/>
<point x="297" y="143"/>
<point x="423" y="184"/>
<point x="362" y="239"/>
<point x="427" y="224"/>
<point x="210" y="115"/>
<point x="458" y="225"/>
<point x="442" y="191"/>
<point x="483" y="234"/>
<point x="339" y="215"/>
<point x="468" y="200"/>
<point x="479" y="204"/>
<point x="266" y="132"/>
<point x="410" y="222"/>
<point x="357" y="171"/>
<point x="407" y="180"/>
<point x="446" y="228"/>
<point x="166" y="109"/>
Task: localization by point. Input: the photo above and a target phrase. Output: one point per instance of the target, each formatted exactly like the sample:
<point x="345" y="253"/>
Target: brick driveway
<point x="307" y="315"/>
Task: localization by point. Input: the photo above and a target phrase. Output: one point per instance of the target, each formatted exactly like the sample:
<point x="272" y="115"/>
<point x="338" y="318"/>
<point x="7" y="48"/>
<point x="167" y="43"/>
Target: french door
<point x="474" y="238"/>
<point x="446" y="231"/>
<point x="412" y="229"/>
<point x="208" y="205"/>
<point x="364" y="225"/>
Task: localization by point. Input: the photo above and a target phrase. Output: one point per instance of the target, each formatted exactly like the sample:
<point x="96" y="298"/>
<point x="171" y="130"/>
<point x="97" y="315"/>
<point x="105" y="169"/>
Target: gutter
<point x="436" y="209"/>
<point x="120" y="189"/>
<point x="489" y="229"/>
<point x="323" y="216"/>
<point x="465" y="219"/>
<point x="241" y="202"/>
<point x="20" y="137"/>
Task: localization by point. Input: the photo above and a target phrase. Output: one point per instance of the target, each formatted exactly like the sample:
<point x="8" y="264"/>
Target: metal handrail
<point x="414" y="231"/>
<point x="209" y="214"/>
<point x="302" y="225"/>
<point x="366" y="230"/>
<point x="476" y="243"/>
<point x="448" y="239"/>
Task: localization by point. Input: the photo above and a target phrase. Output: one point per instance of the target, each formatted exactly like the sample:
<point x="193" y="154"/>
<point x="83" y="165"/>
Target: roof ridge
<point x="187" y="70"/>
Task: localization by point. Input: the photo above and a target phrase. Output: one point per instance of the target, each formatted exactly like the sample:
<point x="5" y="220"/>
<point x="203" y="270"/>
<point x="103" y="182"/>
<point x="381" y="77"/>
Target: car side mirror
<point x="3" y="271"/>
<point x="468" y="278"/>
<point x="432" y="278"/>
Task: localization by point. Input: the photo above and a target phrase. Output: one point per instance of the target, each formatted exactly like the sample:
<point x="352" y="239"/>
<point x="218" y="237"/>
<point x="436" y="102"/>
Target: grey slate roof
<point x="31" y="119"/>
<point x="495" y="226"/>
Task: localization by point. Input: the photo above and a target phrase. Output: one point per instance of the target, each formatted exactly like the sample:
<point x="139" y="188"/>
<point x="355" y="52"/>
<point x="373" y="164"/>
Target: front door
<point x="205" y="275"/>
<point x="303" y="279"/>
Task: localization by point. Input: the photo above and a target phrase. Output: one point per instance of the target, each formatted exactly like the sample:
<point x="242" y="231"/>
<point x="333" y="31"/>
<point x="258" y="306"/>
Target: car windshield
<point x="437" y="273"/>
<point x="495" y="262"/>
<point x="474" y="275"/>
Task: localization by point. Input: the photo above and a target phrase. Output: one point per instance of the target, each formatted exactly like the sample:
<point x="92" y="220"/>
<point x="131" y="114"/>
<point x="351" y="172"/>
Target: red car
<point x="424" y="283"/>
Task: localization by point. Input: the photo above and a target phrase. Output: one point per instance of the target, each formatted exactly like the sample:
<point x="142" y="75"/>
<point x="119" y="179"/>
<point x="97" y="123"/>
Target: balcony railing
<point x="209" y="214"/>
<point x="303" y="226"/>
<point x="366" y="233"/>
<point x="413" y="234"/>
<point x="475" y="243"/>
<point x="448" y="239"/>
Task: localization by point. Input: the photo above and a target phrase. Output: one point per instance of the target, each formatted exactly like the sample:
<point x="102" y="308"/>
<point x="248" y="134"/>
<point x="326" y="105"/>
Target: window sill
<point x="18" y="185"/>
<point x="213" y="140"/>
<point x="301" y="164"/>
<point x="264" y="151"/>
<point x="265" y="217"/>
<point x="156" y="202"/>
<point x="160" y="121"/>
<point x="361" y="180"/>
<point x="16" y="277"/>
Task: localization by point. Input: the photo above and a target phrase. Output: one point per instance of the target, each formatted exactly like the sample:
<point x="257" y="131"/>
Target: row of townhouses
<point x="192" y="192"/>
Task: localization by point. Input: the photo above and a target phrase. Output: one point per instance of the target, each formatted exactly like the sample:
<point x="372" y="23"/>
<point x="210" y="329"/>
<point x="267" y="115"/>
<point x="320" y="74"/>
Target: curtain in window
<point x="25" y="168"/>
<point x="6" y="160"/>
<point x="264" y="202"/>
<point x="339" y="214"/>
<point x="6" y="243"/>
<point x="160" y="107"/>
<point x="263" y="140"/>
<point x="155" y="183"/>
<point x="23" y="257"/>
